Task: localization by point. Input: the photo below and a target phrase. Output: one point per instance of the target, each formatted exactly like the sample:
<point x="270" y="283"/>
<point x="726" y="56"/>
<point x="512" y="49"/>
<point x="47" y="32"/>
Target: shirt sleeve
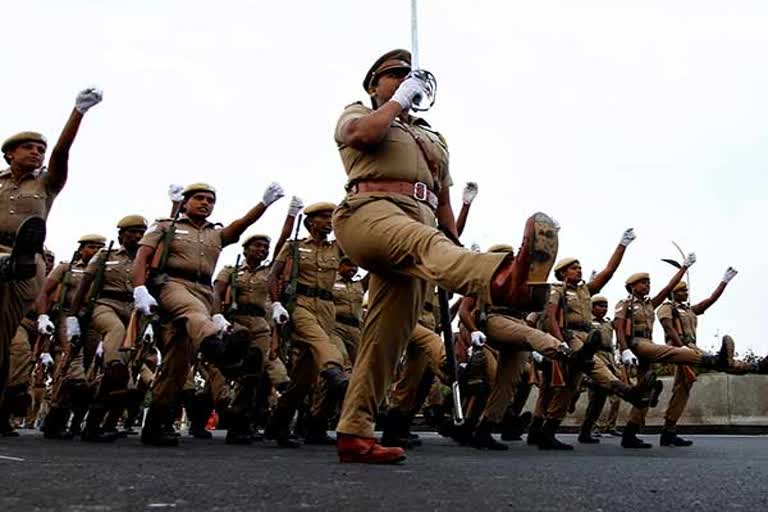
<point x="555" y="295"/>
<point x="224" y="274"/>
<point x="621" y="310"/>
<point x="285" y="251"/>
<point x="57" y="274"/>
<point x="354" y="111"/>
<point x="664" y="312"/>
<point x="154" y="234"/>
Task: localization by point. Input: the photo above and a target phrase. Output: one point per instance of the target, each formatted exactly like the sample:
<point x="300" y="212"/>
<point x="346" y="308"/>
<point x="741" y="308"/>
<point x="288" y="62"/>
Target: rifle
<point x="230" y="297"/>
<point x="451" y="368"/>
<point x="60" y="295"/>
<point x="281" y="334"/>
<point x="558" y="375"/>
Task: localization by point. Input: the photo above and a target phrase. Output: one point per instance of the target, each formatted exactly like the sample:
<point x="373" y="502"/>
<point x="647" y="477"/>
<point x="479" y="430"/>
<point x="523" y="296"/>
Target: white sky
<point x="604" y="114"/>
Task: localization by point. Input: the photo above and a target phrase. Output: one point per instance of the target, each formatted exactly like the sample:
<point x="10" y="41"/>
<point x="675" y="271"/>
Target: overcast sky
<point x="606" y="115"/>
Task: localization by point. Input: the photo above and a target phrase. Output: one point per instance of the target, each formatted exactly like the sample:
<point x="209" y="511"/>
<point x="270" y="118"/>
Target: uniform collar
<point x="7" y="173"/>
<point x="186" y="220"/>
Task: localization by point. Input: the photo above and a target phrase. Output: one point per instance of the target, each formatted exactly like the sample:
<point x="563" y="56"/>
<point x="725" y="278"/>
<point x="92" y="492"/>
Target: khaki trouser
<point x="509" y="371"/>
<point x="20" y="359"/>
<point x="315" y="328"/>
<point x="38" y="396"/>
<point x="16" y="298"/>
<point x="403" y="251"/>
<point x="647" y="353"/>
<point x="350" y="337"/>
<point x="178" y="353"/>
<point x="110" y="325"/>
<point x="425" y="350"/>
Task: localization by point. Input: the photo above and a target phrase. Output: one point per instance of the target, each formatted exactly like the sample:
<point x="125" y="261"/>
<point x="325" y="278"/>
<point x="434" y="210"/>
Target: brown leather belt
<point x="418" y="190"/>
<point x="121" y="296"/>
<point x="250" y="310"/>
<point x="348" y="320"/>
<point x="311" y="292"/>
<point x="188" y="275"/>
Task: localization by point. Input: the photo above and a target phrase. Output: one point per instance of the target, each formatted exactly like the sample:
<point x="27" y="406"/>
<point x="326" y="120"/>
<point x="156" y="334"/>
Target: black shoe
<point x="668" y="438"/>
<point x="483" y="440"/>
<point x="279" y="428"/>
<point x="585" y="435"/>
<point x="394" y="431"/>
<point x="317" y="432"/>
<point x="514" y="427"/>
<point x="97" y="435"/>
<point x="337" y="381"/>
<point x="534" y="432"/>
<point x="21" y="264"/>
<point x="548" y="441"/>
<point x="55" y="425"/>
<point x="613" y="432"/>
<point x="155" y="432"/>
<point x="242" y="437"/>
<point x="201" y="433"/>
<point x="630" y="440"/>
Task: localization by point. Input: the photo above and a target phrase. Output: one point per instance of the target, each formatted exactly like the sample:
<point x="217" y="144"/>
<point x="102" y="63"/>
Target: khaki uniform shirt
<point x="642" y="316"/>
<point x="605" y="326"/>
<point x="117" y="278"/>
<point x="686" y="327"/>
<point x="397" y="157"/>
<point x="193" y="250"/>
<point x="348" y="298"/>
<point x="578" y="304"/>
<point x="75" y="276"/>
<point x="32" y="196"/>
<point x="318" y="265"/>
<point x="250" y="290"/>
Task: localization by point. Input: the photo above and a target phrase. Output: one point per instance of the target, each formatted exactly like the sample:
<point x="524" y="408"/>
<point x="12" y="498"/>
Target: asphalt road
<point x="722" y="473"/>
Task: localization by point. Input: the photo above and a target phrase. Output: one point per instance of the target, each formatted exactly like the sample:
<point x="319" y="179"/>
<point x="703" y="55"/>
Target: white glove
<point x="295" y="207"/>
<point x="222" y="324"/>
<point x="565" y="347"/>
<point x="628" y="358"/>
<point x="475" y="247"/>
<point x="729" y="274"/>
<point x="100" y="349"/>
<point x="149" y="334"/>
<point x="478" y="338"/>
<point x="279" y="314"/>
<point x="538" y="358"/>
<point x="689" y="260"/>
<point x="628" y="237"/>
<point x="470" y="192"/>
<point x="143" y="301"/>
<point x="272" y="193"/>
<point x="88" y="98"/>
<point x="44" y="325"/>
<point x="593" y="275"/>
<point x="174" y="192"/>
<point x="73" y="327"/>
<point x="409" y="89"/>
<point x="46" y="358"/>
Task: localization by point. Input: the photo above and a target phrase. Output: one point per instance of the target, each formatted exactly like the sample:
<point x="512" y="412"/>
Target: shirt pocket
<point x="28" y="203"/>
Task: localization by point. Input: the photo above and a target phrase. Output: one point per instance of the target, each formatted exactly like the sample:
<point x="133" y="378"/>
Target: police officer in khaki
<point x="242" y="295"/>
<point x="184" y="297"/>
<point x="70" y="390"/>
<point x="348" y="296"/>
<point x="313" y="323"/>
<point x="27" y="192"/>
<point x="634" y="332"/>
<point x="605" y="354"/>
<point x="679" y="319"/>
<point x="398" y="192"/>
<point x="109" y="320"/>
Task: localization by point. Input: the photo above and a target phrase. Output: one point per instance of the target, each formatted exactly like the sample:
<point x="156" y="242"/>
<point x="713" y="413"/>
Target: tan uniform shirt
<point x="75" y="276"/>
<point x="193" y="250"/>
<point x="642" y="316"/>
<point x="32" y="196"/>
<point x="686" y="327"/>
<point x="397" y="157"/>
<point x="605" y="326"/>
<point x="348" y="298"/>
<point x="117" y="291"/>
<point x="318" y="264"/>
<point x="578" y="304"/>
<point x="250" y="290"/>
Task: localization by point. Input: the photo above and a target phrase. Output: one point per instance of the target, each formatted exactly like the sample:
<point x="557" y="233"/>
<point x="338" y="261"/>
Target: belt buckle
<point x="420" y="191"/>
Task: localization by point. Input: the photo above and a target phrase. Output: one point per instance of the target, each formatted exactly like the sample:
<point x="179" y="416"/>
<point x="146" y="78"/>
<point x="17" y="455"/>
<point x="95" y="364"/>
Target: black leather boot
<point x="670" y="438"/>
<point x="395" y="428"/>
<point x="534" y="432"/>
<point x="629" y="438"/>
<point x="483" y="439"/>
<point x="155" y="431"/>
<point x="548" y="441"/>
<point x="317" y="432"/>
<point x="55" y="424"/>
<point x="514" y="427"/>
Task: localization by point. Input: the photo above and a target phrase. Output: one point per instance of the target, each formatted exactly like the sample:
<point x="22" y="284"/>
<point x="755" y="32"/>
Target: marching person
<point x="27" y="193"/>
<point x="183" y="296"/>
<point x="398" y="194"/>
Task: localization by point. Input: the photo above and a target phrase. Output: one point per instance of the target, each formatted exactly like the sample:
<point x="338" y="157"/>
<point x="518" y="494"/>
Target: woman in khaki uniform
<point x="109" y="320"/>
<point x="398" y="193"/>
<point x="185" y="298"/>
